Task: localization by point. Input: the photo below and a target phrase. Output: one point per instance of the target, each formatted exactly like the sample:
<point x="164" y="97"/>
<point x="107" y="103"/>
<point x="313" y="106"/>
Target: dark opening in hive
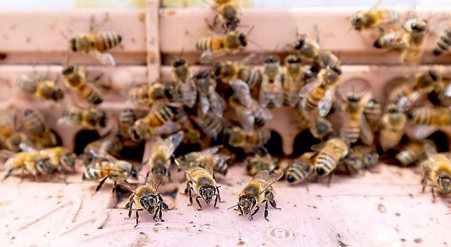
<point x="83" y="138"/>
<point x="274" y="145"/>
<point x="441" y="141"/>
<point x="303" y="142"/>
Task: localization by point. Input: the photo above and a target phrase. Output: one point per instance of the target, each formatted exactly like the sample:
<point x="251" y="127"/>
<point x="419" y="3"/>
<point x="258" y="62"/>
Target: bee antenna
<point x="181" y="52"/>
<point x="250" y="31"/>
<point x="142" y="164"/>
<point x="234" y="206"/>
<point x="64" y="36"/>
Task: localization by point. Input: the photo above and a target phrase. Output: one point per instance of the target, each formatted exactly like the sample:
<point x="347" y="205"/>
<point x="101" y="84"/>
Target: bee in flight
<point x="227" y="14"/>
<point x="106" y="166"/>
<point x="230" y="43"/>
<point x="161" y="151"/>
<point x="437" y="171"/>
<point x="374" y="18"/>
<point x="147" y="198"/>
<point x="201" y="182"/>
<point x="258" y="191"/>
<point x="96" y="44"/>
<point x="41" y="89"/>
<point x="75" y="79"/>
<point x="89" y="118"/>
<point x="443" y="42"/>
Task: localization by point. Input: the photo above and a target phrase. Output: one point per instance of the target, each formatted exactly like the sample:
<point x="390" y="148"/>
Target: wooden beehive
<point x="31" y="42"/>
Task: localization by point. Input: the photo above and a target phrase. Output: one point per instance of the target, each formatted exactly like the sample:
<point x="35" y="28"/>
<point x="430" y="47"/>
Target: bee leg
<point x="189" y="191"/>
<point x="433" y="194"/>
<point x="266" y="210"/>
<point x="212" y="25"/>
<point x="306" y="186"/>
<point x="241" y="211"/>
<point x="330" y="180"/>
<point x="137" y="216"/>
<point x="424" y="183"/>
<point x="256" y="210"/>
<point x="219" y="195"/>
<point x="169" y="176"/>
<point x="129" y="205"/>
<point x="8" y="174"/>
<point x="273" y="204"/>
<point x="100" y="184"/>
<point x="198" y="202"/>
<point x="155" y="214"/>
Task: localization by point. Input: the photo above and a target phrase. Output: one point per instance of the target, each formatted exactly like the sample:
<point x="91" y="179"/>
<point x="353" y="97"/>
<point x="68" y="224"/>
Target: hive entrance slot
<point x="303" y="142"/>
<point x="274" y="145"/>
<point x="83" y="138"/>
<point x="440" y="140"/>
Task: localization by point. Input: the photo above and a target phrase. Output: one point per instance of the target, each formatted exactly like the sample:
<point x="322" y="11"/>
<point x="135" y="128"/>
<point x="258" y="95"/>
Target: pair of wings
<point x="325" y="104"/>
<point x="103" y="58"/>
<point x="268" y="178"/>
<point x="167" y="145"/>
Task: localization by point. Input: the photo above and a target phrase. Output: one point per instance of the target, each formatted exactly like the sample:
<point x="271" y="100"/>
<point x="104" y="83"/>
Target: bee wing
<point x="173" y="141"/>
<point x="127" y="185"/>
<point x="98" y="153"/>
<point x="6" y="154"/>
<point x="261" y="175"/>
<point x="447" y="91"/>
<point x="242" y="92"/>
<point x="103" y="58"/>
<point x="318" y="147"/>
<point x="406" y="102"/>
<point x="27" y="147"/>
<point x="204" y="105"/>
<point x="246" y="119"/>
<point x="423" y="131"/>
<point x="325" y="104"/>
<point x="217" y="103"/>
<point x="366" y="135"/>
<point x="306" y="89"/>
<point x="429" y="149"/>
<point x="168" y="127"/>
<point x="212" y="150"/>
<point x="272" y="179"/>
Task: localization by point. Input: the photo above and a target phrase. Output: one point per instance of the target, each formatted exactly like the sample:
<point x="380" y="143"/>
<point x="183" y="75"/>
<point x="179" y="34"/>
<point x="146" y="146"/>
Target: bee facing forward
<point x="96" y="44"/>
<point x="374" y="18"/>
<point x="90" y="118"/>
<point x="300" y="169"/>
<point x="200" y="181"/>
<point x="160" y="155"/>
<point x="106" y="166"/>
<point x="41" y="89"/>
<point x="437" y="170"/>
<point x="230" y="43"/>
<point x="147" y="198"/>
<point x="416" y="32"/>
<point x="329" y="154"/>
<point x="258" y="191"/>
<point x="271" y="90"/>
<point x="75" y="79"/>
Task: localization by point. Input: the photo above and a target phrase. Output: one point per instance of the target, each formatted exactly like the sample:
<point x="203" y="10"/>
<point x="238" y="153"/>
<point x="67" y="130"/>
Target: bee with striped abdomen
<point x="307" y="49"/>
<point x="209" y="100"/>
<point x="300" y="169"/>
<point x="75" y="79"/>
<point x="34" y="162"/>
<point x="392" y="127"/>
<point x="271" y="90"/>
<point x="61" y="158"/>
<point x="146" y="197"/>
<point x="256" y="163"/>
<point x="429" y="119"/>
<point x="227" y="13"/>
<point x="359" y="158"/>
<point x="295" y="76"/>
<point x="210" y="124"/>
<point x="374" y="18"/>
<point x="437" y="170"/>
<point x="373" y="113"/>
<point x="259" y="190"/>
<point x="443" y="42"/>
<point x="239" y="138"/>
<point x="161" y="151"/>
<point x="328" y="156"/>
<point x="89" y="118"/>
<point x="205" y="158"/>
<point x="41" y="89"/>
<point x="410" y="153"/>
<point x="392" y="40"/>
<point x="230" y="43"/>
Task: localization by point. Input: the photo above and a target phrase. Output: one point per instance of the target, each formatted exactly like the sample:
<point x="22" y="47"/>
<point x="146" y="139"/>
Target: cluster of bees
<point x="224" y="109"/>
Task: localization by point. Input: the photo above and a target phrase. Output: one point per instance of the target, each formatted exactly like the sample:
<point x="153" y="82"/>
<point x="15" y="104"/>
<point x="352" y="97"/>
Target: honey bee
<point x="391" y="128"/>
<point x="237" y="137"/>
<point x="329" y="154"/>
<point x="205" y="158"/>
<point x="75" y="79"/>
<point x="10" y="139"/>
<point x="300" y="169"/>
<point x="373" y="114"/>
<point x="159" y="119"/>
<point x="139" y="95"/>
<point x="227" y="14"/>
<point x="429" y="119"/>
<point x="317" y="98"/>
<point x="255" y="164"/>
<point x="320" y="128"/>
<point x="359" y="158"/>
<point x="393" y="40"/>
<point x="374" y="18"/>
<point x="200" y="181"/>
<point x="61" y="158"/>
<point x="96" y="44"/>
<point x="146" y="197"/>
<point x="181" y="70"/>
<point x="228" y="71"/>
<point x="160" y="155"/>
<point x="147" y="95"/>
<point x="89" y="118"/>
<point x="437" y="170"/>
<point x="354" y="124"/>
<point x="106" y="166"/>
<point x="126" y="120"/>
<point x="254" y="116"/>
<point x="307" y="49"/>
<point x="295" y="76"/>
<point x="111" y="144"/>
<point x="443" y="42"/>
<point x="210" y="124"/>
<point x="271" y="91"/>
<point x="258" y="191"/>
<point x="187" y="92"/>
<point x="441" y="95"/>
<point x="34" y="162"/>
<point x="210" y="100"/>
<point x="416" y="32"/>
<point x="410" y="153"/>
<point x="230" y="43"/>
<point x="37" y="130"/>
<point x="41" y="89"/>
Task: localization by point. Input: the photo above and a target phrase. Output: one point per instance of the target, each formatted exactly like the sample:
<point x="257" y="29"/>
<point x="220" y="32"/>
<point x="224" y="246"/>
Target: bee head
<point x="73" y="44"/>
<point x="232" y="23"/>
<point x="58" y="94"/>
<point x="336" y="69"/>
<point x="357" y="21"/>
<point x="68" y="161"/>
<point x="44" y="166"/>
<point x="149" y="203"/>
<point x="354" y="164"/>
<point x="207" y="192"/>
<point x="299" y="43"/>
<point x="103" y="119"/>
<point x="134" y="173"/>
<point x="243" y="39"/>
<point x="353" y="98"/>
<point x="159" y="170"/>
<point x="68" y="69"/>
<point x="119" y="38"/>
<point x="291" y="179"/>
<point x="322" y="128"/>
<point x="180" y="62"/>
<point x="202" y="75"/>
<point x="444" y="184"/>
<point x="419" y="26"/>
<point x="246" y="204"/>
<point x="234" y="137"/>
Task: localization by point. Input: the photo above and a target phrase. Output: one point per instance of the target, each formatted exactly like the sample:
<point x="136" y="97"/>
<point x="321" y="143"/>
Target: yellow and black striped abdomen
<point x="326" y="161"/>
<point x="99" y="170"/>
<point x="443" y="42"/>
<point x="423" y="116"/>
<point x="90" y="93"/>
<point x="253" y="78"/>
<point x="210" y="44"/>
<point x="33" y="123"/>
<point x="106" y="40"/>
<point x="314" y="97"/>
<point x="351" y="130"/>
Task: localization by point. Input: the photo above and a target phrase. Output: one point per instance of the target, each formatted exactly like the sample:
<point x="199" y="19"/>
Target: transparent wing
<point x="204" y="105"/>
<point x="366" y="134"/>
<point x="212" y="150"/>
<point x="127" y="185"/>
<point x="242" y="92"/>
<point x="272" y="179"/>
<point x="246" y="119"/>
<point x="424" y="131"/>
<point x="103" y="58"/>
<point x="101" y="154"/>
<point x="27" y="147"/>
<point x="168" y="127"/>
<point x="405" y="103"/>
<point x="6" y="154"/>
<point x="261" y="175"/>
<point x="325" y="104"/>
<point x="217" y="104"/>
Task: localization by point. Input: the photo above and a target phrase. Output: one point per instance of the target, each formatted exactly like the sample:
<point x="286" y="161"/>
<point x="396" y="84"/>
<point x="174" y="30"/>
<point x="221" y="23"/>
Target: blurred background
<point x="71" y="4"/>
